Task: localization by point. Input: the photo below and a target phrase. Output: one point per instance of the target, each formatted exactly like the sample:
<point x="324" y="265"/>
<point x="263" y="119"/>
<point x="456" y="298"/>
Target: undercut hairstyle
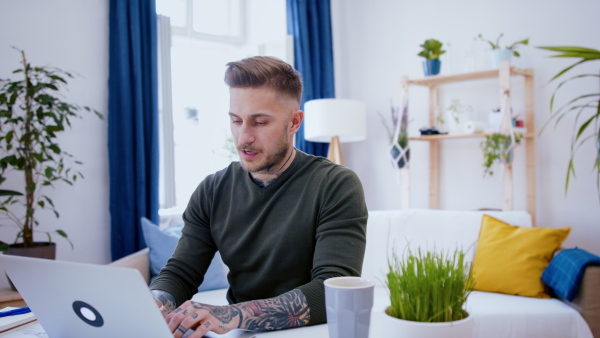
<point x="265" y="71"/>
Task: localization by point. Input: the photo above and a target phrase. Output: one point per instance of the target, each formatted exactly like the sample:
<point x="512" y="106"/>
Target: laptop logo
<point x="87" y="313"/>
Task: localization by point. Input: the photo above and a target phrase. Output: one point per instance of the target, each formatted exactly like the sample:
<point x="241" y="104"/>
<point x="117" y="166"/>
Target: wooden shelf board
<point x="484" y="74"/>
<point x="431" y="138"/>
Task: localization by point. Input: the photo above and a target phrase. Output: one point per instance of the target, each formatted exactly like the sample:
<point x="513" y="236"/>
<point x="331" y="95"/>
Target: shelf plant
<point x="585" y="107"/>
<point x="453" y="116"/>
<point x="32" y="116"/>
<point x="429" y="286"/>
<point x="512" y="47"/>
<point x="431" y="51"/>
<point x="499" y="53"/>
<point x="497" y="148"/>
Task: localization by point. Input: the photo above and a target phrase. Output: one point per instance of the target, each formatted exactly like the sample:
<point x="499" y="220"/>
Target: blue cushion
<point x="162" y="244"/>
<point x="565" y="272"/>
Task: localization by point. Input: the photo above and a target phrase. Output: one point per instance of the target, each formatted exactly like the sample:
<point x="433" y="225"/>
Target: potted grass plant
<point x="431" y="51"/>
<point x="32" y="117"/>
<point x="499" y="53"/>
<point x="428" y="291"/>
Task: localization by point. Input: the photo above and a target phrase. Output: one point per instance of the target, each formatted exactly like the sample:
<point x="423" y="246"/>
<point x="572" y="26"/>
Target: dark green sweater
<point x="308" y="225"/>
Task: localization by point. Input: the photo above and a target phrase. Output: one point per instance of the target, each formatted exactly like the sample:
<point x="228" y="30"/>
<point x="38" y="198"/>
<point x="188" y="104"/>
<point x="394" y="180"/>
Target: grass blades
<point x="429" y="287"/>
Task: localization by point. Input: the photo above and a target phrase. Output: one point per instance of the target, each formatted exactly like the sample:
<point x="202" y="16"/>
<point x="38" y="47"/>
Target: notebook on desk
<point x="85" y="300"/>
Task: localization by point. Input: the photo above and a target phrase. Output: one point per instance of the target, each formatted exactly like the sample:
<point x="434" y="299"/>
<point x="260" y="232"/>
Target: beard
<point x="271" y="159"/>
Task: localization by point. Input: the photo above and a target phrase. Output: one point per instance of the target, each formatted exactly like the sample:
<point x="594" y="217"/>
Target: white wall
<point x="71" y="35"/>
<point x="376" y="42"/>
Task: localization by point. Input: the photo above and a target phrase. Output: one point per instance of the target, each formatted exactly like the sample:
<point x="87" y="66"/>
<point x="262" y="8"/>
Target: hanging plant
<point x="497" y="148"/>
<point x="398" y="134"/>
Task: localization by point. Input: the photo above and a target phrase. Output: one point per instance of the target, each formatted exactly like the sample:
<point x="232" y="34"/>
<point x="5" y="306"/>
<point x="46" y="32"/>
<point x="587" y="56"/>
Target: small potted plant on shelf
<point x="432" y="50"/>
<point x="499" y="54"/>
<point x="456" y="114"/>
<point x="32" y="116"/>
<point x="498" y="148"/>
<point x="584" y="103"/>
<point x="428" y="291"/>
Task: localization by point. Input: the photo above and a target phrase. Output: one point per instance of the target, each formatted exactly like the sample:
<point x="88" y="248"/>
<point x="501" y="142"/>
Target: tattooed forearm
<point x="282" y="312"/>
<point x="225" y="314"/>
<point x="167" y="300"/>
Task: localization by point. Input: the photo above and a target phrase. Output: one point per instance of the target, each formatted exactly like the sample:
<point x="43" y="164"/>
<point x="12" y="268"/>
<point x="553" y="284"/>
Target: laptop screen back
<point x="84" y="300"/>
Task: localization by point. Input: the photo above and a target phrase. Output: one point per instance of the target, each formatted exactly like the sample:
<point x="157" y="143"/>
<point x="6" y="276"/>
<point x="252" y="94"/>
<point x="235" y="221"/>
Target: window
<point x="204" y="35"/>
<point x="222" y="20"/>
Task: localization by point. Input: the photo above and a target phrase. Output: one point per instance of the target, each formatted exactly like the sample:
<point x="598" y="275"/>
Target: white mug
<point x="348" y="301"/>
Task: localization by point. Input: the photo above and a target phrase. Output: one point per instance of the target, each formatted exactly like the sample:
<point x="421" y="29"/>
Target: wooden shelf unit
<point x="504" y="74"/>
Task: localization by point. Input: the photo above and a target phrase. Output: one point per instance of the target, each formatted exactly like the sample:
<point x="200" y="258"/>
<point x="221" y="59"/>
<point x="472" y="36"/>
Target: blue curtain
<point x="132" y="122"/>
<point x="309" y="21"/>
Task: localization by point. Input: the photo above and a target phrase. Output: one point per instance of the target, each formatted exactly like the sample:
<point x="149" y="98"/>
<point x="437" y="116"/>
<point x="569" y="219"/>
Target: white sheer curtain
<point x="167" y="144"/>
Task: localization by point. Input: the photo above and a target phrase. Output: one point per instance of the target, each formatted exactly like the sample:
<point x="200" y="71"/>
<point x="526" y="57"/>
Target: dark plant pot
<point x="401" y="162"/>
<point x="40" y="250"/>
<point x="432" y="67"/>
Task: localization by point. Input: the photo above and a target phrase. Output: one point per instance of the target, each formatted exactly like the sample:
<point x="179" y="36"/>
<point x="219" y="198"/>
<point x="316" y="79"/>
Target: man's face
<point x="263" y="124"/>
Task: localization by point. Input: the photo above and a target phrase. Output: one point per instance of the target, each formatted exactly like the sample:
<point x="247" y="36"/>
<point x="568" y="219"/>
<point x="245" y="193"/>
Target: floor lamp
<point x="335" y="121"/>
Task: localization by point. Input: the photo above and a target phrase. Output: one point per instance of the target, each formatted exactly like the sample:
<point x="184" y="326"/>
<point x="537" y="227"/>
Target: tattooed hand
<point x="203" y="318"/>
<point x="285" y="311"/>
<point x="164" y="300"/>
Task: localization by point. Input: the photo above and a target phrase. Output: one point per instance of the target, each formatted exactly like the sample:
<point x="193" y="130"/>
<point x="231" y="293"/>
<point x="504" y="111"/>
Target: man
<point x="283" y="221"/>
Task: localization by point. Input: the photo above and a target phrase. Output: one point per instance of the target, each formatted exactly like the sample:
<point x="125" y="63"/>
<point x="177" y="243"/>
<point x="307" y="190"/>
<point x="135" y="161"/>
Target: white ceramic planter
<point x="454" y="127"/>
<point x="499" y="55"/>
<point x="393" y="327"/>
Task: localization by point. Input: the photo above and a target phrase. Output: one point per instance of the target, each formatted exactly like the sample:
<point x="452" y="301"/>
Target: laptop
<point x="86" y="300"/>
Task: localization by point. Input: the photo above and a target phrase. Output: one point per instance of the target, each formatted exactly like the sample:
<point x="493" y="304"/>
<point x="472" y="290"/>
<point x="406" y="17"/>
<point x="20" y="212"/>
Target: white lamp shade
<point x="326" y="118"/>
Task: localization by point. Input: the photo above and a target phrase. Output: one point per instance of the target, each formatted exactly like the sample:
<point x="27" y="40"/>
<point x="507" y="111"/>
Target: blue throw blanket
<point x="565" y="272"/>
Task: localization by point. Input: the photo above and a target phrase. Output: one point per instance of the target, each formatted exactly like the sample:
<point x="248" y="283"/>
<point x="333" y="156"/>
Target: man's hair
<point x="268" y="71"/>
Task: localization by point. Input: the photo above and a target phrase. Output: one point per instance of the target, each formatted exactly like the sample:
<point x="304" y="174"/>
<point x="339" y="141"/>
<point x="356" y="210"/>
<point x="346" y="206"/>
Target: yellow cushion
<point x="511" y="259"/>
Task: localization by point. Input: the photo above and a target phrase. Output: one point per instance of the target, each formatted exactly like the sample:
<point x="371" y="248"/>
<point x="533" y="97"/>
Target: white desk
<point x="316" y="331"/>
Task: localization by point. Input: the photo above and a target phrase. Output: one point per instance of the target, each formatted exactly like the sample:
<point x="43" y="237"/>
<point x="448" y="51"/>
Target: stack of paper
<point x="11" y="322"/>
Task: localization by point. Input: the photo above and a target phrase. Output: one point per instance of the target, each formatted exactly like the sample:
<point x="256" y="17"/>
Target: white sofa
<point x="495" y="315"/>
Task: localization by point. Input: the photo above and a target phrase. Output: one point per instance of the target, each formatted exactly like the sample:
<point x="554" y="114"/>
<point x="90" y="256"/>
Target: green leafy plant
<point x="497" y="149"/>
<point x="32" y="116"/>
<point x="585" y="103"/>
<point x="496" y="45"/>
<point x="456" y="109"/>
<point x="429" y="287"/>
<point x="432" y="49"/>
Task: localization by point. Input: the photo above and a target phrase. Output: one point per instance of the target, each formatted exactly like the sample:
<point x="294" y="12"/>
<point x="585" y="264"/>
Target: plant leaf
<point x="10" y="193"/>
<point x="584" y="126"/>
<point x="64" y="235"/>
<point x="566" y="70"/>
<point x="574" y="51"/>
<point x="566" y="81"/>
<point x="570" y="169"/>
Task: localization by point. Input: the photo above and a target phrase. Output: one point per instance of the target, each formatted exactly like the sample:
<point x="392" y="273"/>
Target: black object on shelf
<point x="430" y="131"/>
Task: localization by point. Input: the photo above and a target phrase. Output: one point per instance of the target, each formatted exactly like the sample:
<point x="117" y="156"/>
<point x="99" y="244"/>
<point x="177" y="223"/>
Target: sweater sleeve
<point x="187" y="266"/>
<point x="340" y="237"/>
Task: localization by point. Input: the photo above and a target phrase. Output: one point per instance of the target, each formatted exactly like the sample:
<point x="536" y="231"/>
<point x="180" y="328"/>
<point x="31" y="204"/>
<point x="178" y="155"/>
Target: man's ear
<point x="296" y="120"/>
